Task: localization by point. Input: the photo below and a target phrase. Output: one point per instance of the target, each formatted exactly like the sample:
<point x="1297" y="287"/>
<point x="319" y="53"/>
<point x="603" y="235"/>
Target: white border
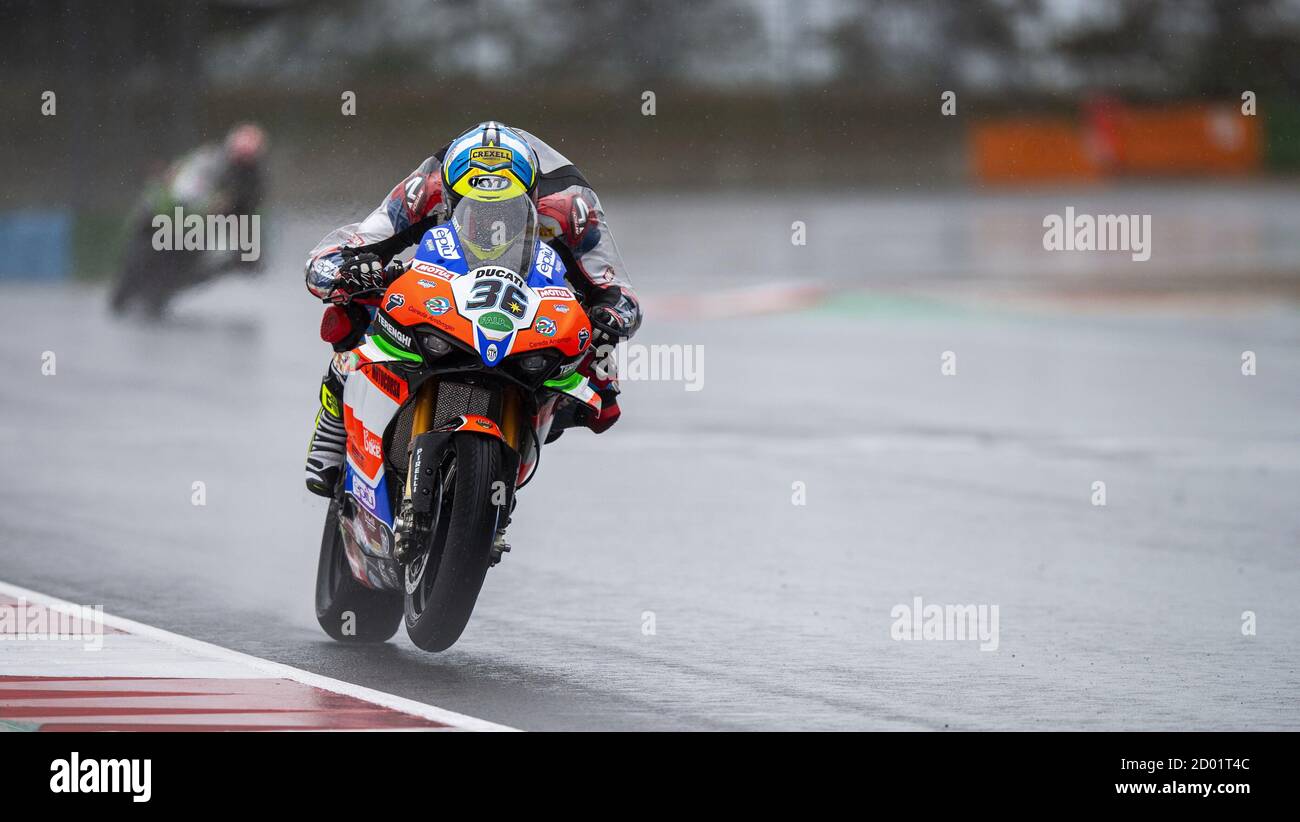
<point x="390" y="701"/>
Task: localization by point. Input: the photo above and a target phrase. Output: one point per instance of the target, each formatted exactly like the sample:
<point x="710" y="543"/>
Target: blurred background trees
<point x="736" y="81"/>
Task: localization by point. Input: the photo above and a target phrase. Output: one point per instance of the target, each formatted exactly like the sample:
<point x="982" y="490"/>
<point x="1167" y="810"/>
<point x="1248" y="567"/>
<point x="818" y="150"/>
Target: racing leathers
<point x="343" y="269"/>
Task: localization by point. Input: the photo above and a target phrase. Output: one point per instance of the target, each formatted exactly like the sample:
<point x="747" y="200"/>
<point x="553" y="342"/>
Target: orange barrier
<point x="1020" y="150"/>
<point x="1118" y="139"/>
<point x="1190" y="139"/>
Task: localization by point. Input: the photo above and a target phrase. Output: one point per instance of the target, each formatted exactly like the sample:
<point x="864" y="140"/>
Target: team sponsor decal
<point x="555" y="292"/>
<point x="364" y="494"/>
<point x="545" y="326"/>
<point x="394" y="301"/>
<point x="325" y="269"/>
<point x="441" y="322"/>
<point x="442" y="241"/>
<point x="438" y="305"/>
<point x="489" y="182"/>
<point x="371" y="444"/>
<point x="431" y="269"/>
<point x="491" y="351"/>
<point x="388" y="382"/>
<point x="583" y="337"/>
<point x="391" y="331"/>
<point x="546" y="260"/>
<point x="496" y="321"/>
<point x="560" y="309"/>
<point x="498" y="271"/>
<point x="491" y="157"/>
<point x="329" y="402"/>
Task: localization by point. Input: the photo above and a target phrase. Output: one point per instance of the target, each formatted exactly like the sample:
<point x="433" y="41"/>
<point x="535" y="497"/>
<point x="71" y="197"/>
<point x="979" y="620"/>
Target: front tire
<point x="346" y="609"/>
<point x="442" y="586"/>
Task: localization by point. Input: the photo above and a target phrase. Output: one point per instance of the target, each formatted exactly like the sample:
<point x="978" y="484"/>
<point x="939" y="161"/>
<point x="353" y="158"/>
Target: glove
<point x="361" y="274"/>
<point x="608" y="325"/>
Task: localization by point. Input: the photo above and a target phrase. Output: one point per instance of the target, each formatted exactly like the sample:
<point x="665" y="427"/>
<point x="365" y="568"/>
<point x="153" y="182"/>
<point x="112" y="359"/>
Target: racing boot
<point x="570" y="413"/>
<point x="325" y="454"/>
<point x="602" y="381"/>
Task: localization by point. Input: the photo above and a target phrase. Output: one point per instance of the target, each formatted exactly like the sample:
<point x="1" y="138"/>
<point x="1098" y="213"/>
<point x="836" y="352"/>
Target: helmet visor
<point x="500" y="233"/>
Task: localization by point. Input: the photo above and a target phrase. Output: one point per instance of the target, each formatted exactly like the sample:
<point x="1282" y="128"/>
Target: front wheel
<point x="346" y="609"/>
<point x="443" y="582"/>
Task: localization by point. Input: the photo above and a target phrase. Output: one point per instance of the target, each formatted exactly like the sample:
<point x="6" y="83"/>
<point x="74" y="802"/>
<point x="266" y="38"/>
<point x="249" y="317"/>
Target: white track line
<point x="276" y="669"/>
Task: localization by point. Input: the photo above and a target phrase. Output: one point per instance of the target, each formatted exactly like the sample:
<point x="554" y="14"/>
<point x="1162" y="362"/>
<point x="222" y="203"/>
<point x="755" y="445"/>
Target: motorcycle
<point x="448" y="400"/>
<point x="149" y="278"/>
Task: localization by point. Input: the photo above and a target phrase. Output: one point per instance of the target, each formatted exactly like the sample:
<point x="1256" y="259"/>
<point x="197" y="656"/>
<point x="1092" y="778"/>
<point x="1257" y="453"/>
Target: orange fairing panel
<point x="560" y="323"/>
<point x="427" y="298"/>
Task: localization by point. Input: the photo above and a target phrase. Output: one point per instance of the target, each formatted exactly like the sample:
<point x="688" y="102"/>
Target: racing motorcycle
<point x="148" y="278"/>
<point x="447" y="402"/>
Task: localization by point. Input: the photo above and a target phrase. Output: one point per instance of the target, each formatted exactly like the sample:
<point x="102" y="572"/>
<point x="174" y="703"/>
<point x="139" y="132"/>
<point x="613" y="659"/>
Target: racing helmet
<point x="488" y="163"/>
<point x="246" y="144"/>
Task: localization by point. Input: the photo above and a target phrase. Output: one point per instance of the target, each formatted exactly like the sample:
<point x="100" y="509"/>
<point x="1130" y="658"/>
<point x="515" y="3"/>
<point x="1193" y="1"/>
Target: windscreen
<point x="499" y="233"/>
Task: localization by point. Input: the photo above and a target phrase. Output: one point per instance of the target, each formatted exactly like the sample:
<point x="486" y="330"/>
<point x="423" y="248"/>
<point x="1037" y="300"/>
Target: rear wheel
<point x="346" y="609"/>
<point x="443" y="582"/>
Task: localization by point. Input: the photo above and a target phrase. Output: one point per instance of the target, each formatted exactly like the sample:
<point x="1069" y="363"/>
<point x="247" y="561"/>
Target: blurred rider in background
<point x="226" y="178"/>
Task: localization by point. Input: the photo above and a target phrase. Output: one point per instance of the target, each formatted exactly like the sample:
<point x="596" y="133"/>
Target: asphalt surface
<point x="966" y="489"/>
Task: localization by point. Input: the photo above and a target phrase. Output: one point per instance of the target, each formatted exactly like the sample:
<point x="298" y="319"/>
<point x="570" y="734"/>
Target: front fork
<point x="416" y="514"/>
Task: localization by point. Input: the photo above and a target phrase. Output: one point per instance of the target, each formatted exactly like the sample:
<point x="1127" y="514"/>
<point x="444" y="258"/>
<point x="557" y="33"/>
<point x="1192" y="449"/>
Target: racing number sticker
<point x="489" y="294"/>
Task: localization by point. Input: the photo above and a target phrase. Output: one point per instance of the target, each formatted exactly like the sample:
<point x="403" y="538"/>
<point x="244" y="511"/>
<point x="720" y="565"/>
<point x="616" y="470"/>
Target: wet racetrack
<point x="974" y="488"/>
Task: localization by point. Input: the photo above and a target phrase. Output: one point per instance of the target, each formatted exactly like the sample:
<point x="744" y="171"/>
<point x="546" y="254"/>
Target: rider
<point x="352" y="266"/>
<point x="222" y="179"/>
<point x="225" y="178"/>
